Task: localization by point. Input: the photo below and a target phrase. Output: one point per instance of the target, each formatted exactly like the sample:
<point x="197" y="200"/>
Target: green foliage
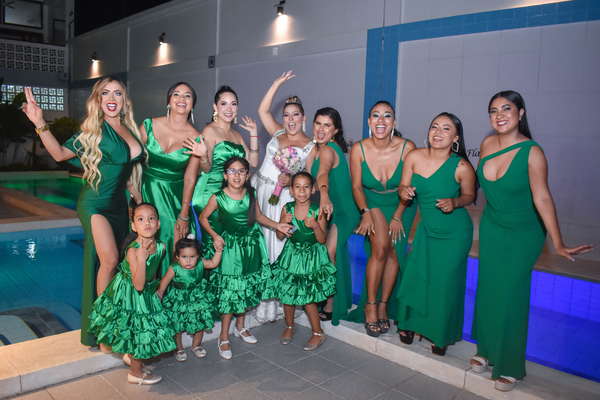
<point x="13" y="122"/>
<point x="63" y="128"/>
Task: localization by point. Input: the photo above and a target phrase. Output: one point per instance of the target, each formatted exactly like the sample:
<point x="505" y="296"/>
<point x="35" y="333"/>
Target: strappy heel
<point x="384" y="324"/>
<point x="373" y="329"/>
<point x="406" y="337"/>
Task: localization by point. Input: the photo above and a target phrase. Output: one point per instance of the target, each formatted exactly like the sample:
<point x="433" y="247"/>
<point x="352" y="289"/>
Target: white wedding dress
<point x="264" y="182"/>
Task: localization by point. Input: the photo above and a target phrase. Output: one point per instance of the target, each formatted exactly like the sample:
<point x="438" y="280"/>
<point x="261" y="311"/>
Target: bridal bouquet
<point x="287" y="161"/>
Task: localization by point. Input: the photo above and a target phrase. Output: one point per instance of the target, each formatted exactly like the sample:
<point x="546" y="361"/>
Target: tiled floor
<point x="266" y="370"/>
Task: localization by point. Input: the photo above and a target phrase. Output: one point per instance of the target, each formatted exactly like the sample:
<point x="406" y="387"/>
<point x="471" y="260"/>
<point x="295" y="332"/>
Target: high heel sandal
<point x="373" y="329"/>
<point x="287" y="340"/>
<point x="440" y="351"/>
<point x="384" y="324"/>
<point x="406" y="337"/>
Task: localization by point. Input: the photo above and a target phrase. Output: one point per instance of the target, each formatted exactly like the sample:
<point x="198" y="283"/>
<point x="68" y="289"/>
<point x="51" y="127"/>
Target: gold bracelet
<point x="44" y="128"/>
<point x="396" y="218"/>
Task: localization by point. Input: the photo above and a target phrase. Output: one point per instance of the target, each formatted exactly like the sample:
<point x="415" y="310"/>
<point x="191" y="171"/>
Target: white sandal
<point x="505" y="386"/>
<point x="480" y="365"/>
<point x="226" y="354"/>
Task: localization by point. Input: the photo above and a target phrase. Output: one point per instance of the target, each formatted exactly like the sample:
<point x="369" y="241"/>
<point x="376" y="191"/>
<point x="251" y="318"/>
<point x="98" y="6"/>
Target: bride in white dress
<point x="290" y="133"/>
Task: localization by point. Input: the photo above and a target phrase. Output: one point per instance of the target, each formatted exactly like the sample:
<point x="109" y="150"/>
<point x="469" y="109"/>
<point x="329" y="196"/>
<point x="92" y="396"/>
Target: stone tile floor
<point x="266" y="370"/>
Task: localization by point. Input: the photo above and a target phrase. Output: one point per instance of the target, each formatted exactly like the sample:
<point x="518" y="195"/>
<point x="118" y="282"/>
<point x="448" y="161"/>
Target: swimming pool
<point x="63" y="192"/>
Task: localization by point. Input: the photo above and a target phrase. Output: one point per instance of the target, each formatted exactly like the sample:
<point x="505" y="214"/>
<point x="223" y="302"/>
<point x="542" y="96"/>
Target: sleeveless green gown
<point x="110" y="201"/>
<point x="303" y="273"/>
<point x="239" y="281"/>
<point x="162" y="185"/>
<point x="386" y="202"/>
<point x="431" y="295"/>
<point x="188" y="304"/>
<point x="210" y="183"/>
<point x="132" y="321"/>
<point x="511" y="236"/>
<point x="345" y="217"/>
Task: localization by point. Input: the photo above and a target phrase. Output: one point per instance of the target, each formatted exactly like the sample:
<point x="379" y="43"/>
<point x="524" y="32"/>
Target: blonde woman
<point x="109" y="150"/>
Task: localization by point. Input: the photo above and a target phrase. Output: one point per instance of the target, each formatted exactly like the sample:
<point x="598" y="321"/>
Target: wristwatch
<point x="364" y="210"/>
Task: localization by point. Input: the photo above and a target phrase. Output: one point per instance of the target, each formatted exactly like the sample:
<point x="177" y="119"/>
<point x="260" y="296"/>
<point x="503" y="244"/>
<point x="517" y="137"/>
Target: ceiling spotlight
<point x="94" y="57"/>
<point x="279" y="6"/>
<point x="161" y="38"/>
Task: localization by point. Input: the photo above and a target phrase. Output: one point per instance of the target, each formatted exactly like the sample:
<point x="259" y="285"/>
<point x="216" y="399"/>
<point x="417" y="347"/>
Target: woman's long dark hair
<point x="395" y="132"/>
<point x="172" y="89"/>
<point x="247" y="186"/>
<point x="131" y="236"/>
<point x="517" y="100"/>
<point x="335" y="117"/>
<point x="462" y="149"/>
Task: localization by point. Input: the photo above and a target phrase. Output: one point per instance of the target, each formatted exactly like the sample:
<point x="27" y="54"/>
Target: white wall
<point x="555" y="69"/>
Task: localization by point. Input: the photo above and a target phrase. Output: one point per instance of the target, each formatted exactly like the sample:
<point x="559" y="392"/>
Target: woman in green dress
<point x="109" y="150"/>
<point x="376" y="167"/>
<point x="519" y="210"/>
<point x="330" y="169"/>
<point x="128" y="315"/>
<point x="303" y="275"/>
<point x="441" y="181"/>
<point x="162" y="177"/>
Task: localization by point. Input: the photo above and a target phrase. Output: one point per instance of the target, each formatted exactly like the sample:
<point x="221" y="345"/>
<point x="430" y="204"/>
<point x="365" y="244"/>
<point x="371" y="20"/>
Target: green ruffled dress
<point x="239" y="281"/>
<point x="431" y="296"/>
<point x="162" y="185"/>
<point x="386" y="199"/>
<point x="211" y="182"/>
<point x="345" y="217"/>
<point x="302" y="274"/>
<point x="188" y="303"/>
<point x="110" y="201"/>
<point x="130" y="321"/>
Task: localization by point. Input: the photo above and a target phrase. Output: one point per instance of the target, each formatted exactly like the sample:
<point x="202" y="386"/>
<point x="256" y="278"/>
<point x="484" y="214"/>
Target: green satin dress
<point x="162" y="185"/>
<point x="132" y="321"/>
<point x="110" y="201"/>
<point x="188" y="303"/>
<point x="303" y="273"/>
<point x="386" y="199"/>
<point x="511" y="238"/>
<point x="431" y="295"/>
<point x="345" y="217"/>
<point x="211" y="182"/>
<point x="239" y="281"/>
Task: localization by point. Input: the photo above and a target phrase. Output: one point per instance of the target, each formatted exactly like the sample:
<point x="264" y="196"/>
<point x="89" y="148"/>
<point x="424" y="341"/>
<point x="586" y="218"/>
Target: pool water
<point x="63" y="192"/>
<point x="42" y="269"/>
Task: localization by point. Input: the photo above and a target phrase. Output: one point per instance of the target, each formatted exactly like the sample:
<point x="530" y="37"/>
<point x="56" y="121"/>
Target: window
<point x="52" y="99"/>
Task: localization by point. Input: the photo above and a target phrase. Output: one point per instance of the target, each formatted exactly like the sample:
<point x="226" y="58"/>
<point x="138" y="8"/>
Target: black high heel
<point x="373" y="329"/>
<point x="440" y="351"/>
<point x="406" y="337"/>
<point x="384" y="324"/>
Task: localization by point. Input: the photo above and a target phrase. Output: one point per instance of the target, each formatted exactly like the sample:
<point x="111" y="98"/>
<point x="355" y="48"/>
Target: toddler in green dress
<point x="239" y="282"/>
<point x="303" y="275"/>
<point x="128" y="315"/>
<point x="188" y="303"/>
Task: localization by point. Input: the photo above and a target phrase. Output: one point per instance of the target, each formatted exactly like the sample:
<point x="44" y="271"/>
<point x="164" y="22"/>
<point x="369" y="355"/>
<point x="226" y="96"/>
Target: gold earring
<point x="215" y="116"/>
<point x="235" y="119"/>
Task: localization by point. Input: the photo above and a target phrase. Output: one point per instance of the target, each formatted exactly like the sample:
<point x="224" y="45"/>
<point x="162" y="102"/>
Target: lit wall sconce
<point x="161" y="38"/>
<point x="94" y="57"/>
<point x="279" y="7"/>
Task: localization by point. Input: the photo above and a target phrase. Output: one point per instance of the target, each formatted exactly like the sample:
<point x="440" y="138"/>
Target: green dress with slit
<point x="239" y="282"/>
<point x="110" y="201"/>
<point x="162" y="185"/>
<point x="511" y="238"/>
<point x="188" y="303"/>
<point x="211" y="182"/>
<point x="345" y="217"/>
<point x="131" y="321"/>
<point x="303" y="273"/>
<point x="385" y="198"/>
<point x="431" y="295"/>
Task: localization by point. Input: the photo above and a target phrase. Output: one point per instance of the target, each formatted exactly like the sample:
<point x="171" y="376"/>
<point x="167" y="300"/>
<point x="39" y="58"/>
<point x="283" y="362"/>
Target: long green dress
<point x="239" y="281"/>
<point x="110" y="201"/>
<point x="188" y="303"/>
<point x="303" y="273"/>
<point x="386" y="199"/>
<point x="345" y="217"/>
<point x="132" y="321"/>
<point x="511" y="238"/>
<point x="162" y="185"/>
<point x="431" y="295"/>
<point x="210" y="183"/>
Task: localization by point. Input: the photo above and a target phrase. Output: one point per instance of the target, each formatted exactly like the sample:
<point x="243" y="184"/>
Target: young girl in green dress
<point x="303" y="274"/>
<point x="128" y="316"/>
<point x="188" y="304"/>
<point x="239" y="282"/>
